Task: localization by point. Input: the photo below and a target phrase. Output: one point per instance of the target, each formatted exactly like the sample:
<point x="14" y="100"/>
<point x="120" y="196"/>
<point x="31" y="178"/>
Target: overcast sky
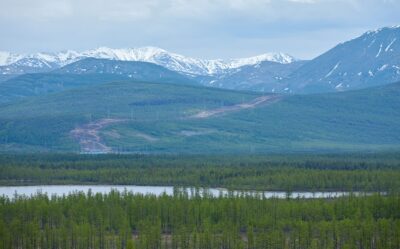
<point x="198" y="28"/>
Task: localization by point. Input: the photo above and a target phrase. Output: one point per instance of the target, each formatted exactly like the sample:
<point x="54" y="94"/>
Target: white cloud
<point x="217" y="26"/>
<point x="40" y="9"/>
<point x="267" y="10"/>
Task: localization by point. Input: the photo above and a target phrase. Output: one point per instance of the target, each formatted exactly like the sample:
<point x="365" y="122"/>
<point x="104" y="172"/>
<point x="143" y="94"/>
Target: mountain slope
<point x="141" y="71"/>
<point x="83" y="73"/>
<point x="30" y="85"/>
<point x="47" y="121"/>
<point x="264" y="77"/>
<point x="166" y="118"/>
<point x="371" y="59"/>
<point x="27" y="65"/>
<point x="35" y="63"/>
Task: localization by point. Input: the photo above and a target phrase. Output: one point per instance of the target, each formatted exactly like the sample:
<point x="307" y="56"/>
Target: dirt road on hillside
<point x="263" y="100"/>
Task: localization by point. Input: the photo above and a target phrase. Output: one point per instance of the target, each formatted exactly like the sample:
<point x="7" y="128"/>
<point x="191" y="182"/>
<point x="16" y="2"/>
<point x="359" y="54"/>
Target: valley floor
<point x="193" y="219"/>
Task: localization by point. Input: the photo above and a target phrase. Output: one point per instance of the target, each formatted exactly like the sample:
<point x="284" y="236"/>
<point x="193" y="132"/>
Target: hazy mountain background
<point x="371" y="59"/>
<point x="148" y="100"/>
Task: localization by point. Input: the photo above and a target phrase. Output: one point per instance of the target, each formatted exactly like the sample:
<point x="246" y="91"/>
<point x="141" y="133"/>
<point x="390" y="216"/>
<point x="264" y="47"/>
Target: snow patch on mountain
<point x="370" y="73"/>
<point x="383" y="67"/>
<point x="332" y="70"/>
<point x="390" y="44"/>
<point x="379" y="52"/>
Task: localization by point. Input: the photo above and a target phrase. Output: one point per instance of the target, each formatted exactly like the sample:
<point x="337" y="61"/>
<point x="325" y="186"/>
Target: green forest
<point x="198" y="219"/>
<point x="127" y="221"/>
<point x="345" y="172"/>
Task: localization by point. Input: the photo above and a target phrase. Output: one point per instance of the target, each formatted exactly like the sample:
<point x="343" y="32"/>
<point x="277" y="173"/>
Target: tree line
<point x="288" y="173"/>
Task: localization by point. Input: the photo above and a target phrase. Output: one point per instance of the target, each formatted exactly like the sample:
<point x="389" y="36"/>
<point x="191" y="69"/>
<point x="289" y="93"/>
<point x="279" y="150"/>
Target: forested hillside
<point x="142" y="117"/>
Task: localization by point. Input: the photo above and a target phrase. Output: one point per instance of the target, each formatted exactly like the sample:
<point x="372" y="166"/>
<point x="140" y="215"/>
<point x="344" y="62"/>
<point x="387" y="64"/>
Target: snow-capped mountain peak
<point x="273" y="57"/>
<point x="172" y="61"/>
<point x="7" y="58"/>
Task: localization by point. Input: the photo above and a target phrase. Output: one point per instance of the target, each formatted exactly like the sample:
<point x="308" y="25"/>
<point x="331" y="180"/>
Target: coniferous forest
<point x="124" y="220"/>
<point x="343" y="172"/>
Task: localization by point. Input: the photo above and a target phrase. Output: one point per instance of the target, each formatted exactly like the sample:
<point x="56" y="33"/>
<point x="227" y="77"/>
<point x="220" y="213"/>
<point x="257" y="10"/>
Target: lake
<point x="60" y="190"/>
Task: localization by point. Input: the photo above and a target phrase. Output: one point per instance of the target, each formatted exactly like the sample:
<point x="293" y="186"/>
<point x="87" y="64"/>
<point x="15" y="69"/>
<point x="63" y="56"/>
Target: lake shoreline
<point x="60" y="190"/>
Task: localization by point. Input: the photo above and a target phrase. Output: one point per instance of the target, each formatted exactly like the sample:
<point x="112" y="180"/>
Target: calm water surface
<point x="60" y="190"/>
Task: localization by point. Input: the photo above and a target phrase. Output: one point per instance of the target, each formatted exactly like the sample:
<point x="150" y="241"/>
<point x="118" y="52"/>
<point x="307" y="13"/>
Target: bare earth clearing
<point x="88" y="135"/>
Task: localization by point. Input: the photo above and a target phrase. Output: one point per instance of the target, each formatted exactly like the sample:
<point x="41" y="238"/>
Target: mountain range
<point x="148" y="100"/>
<point x="15" y="63"/>
<point x="368" y="60"/>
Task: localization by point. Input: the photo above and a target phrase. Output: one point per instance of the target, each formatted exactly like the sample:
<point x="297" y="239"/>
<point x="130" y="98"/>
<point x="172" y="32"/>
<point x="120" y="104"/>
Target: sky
<point x="206" y="29"/>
